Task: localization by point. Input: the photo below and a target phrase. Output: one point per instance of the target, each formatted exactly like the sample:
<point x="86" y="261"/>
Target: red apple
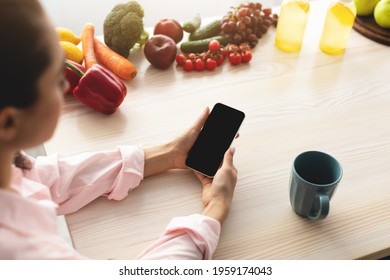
<point x="160" y="51"/>
<point x="170" y="28"/>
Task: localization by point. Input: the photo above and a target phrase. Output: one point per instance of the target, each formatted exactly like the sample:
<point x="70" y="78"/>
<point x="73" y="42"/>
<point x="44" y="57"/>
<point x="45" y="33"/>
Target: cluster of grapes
<point x="247" y="23"/>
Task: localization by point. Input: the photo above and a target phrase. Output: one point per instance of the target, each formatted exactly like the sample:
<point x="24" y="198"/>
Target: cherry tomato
<point x="199" y="64"/>
<point x="214" y="45"/>
<point x="231" y="48"/>
<point x="244" y="47"/>
<point x="192" y="56"/>
<point x="224" y="52"/>
<point x="246" y="56"/>
<point x="219" y="58"/>
<point x="211" y="64"/>
<point x="203" y="56"/>
<point x="235" y="58"/>
<point x="188" y="65"/>
<point x="180" y="59"/>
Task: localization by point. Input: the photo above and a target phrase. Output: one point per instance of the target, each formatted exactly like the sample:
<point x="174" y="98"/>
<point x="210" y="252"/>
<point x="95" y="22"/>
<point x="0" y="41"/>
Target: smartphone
<point x="214" y="139"/>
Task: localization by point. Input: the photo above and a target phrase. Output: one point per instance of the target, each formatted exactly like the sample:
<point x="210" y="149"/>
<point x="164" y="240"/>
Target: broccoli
<point x="130" y="7"/>
<point x="123" y="27"/>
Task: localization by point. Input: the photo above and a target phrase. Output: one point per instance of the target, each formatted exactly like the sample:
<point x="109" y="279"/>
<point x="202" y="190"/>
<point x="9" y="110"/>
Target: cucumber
<point x="202" y="45"/>
<point x="207" y="31"/>
<point x="192" y="24"/>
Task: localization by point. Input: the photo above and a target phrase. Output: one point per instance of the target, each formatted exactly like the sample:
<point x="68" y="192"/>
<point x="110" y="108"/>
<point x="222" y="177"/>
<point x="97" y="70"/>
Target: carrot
<point x="119" y="65"/>
<point x="88" y="46"/>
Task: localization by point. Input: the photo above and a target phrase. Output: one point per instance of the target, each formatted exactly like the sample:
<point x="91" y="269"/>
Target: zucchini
<point x="207" y="31"/>
<point x="202" y="45"/>
<point x="192" y="24"/>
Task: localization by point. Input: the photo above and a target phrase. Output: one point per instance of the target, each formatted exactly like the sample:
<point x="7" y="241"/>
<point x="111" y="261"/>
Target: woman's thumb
<point x="228" y="158"/>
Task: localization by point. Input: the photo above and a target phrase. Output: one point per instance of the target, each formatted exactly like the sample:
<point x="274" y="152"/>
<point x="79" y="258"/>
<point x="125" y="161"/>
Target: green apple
<point x="382" y="13"/>
<point x="365" y="7"/>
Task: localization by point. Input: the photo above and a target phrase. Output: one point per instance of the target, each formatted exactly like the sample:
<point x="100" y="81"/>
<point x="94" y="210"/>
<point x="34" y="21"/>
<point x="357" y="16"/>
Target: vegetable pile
<point x="235" y="34"/>
<point x="99" y="86"/>
<point x="98" y="83"/>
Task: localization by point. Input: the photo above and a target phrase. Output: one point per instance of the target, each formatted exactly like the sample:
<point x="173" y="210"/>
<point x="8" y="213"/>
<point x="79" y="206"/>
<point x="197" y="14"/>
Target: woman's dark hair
<point x="23" y="53"/>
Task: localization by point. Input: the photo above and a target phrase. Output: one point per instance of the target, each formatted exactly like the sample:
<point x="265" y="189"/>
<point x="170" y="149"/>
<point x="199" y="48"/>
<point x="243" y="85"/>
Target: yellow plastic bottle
<point x="338" y="24"/>
<point x="291" y="25"/>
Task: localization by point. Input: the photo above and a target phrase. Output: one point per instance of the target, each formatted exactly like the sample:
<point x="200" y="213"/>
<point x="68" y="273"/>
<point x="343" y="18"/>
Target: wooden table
<point x="293" y="102"/>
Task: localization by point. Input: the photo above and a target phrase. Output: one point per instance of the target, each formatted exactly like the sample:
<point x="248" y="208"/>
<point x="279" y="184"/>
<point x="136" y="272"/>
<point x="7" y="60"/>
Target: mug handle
<point x="323" y="200"/>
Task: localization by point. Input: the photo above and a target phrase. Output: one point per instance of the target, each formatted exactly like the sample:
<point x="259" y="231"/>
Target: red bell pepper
<point x="99" y="89"/>
<point x="72" y="77"/>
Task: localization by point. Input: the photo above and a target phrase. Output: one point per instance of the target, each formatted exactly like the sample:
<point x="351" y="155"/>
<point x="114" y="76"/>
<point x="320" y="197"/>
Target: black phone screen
<point x="215" y="138"/>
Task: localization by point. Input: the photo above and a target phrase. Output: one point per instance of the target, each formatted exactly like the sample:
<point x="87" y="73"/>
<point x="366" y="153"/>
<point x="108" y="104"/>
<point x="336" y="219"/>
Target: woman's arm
<point x="158" y="159"/>
<point x="75" y="181"/>
<point x="195" y="237"/>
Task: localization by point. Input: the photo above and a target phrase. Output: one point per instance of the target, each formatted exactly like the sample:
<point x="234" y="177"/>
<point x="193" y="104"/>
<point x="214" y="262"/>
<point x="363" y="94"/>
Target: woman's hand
<point x="173" y="154"/>
<point x="182" y="144"/>
<point x="218" y="192"/>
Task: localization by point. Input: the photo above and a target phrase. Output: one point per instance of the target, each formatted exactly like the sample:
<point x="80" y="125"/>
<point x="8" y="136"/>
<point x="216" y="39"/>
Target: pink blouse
<point x="59" y="185"/>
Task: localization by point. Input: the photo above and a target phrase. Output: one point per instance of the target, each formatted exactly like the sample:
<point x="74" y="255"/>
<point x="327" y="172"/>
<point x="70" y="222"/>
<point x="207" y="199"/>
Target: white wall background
<point x="73" y="14"/>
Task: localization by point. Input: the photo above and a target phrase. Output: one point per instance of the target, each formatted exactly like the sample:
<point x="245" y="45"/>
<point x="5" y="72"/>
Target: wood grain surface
<point x="293" y="102"/>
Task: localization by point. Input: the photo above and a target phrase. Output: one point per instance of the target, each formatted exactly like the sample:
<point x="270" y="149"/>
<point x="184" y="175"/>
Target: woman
<point x="32" y="191"/>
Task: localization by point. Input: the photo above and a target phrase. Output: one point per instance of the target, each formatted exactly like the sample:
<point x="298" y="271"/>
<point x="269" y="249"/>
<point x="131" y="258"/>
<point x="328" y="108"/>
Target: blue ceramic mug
<point x="314" y="178"/>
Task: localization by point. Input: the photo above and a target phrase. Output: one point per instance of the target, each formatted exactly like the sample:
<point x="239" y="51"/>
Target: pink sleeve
<point x="193" y="237"/>
<point x="75" y="181"/>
